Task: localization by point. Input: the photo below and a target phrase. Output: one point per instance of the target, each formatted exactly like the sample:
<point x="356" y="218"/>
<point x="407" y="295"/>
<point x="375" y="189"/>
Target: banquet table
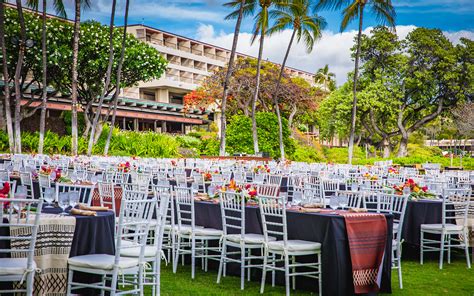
<point x="328" y="229"/>
<point x="417" y="213"/>
<point x="92" y="235"/>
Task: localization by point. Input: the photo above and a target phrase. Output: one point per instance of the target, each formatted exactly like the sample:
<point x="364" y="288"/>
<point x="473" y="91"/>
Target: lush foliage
<point x="239" y="134"/>
<point x="296" y="96"/>
<point x="404" y="85"/>
<point x="141" y="61"/>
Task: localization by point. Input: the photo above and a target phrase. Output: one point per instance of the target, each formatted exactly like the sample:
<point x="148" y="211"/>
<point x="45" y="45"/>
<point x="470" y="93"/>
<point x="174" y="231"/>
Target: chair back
<point x="184" y="207"/>
<point x="107" y="194"/>
<point x="456" y="206"/>
<point x="273" y="215"/>
<point x="136" y="212"/>
<point x="355" y="199"/>
<point x="85" y="191"/>
<point x="268" y="189"/>
<point x="26" y="180"/>
<point x="233" y="212"/>
<point x="274" y="180"/>
<point x="26" y="224"/>
<point x="4" y="175"/>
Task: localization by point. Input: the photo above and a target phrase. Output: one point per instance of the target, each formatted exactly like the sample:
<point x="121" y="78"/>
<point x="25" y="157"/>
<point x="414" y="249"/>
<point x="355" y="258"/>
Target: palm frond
<point x="59" y="8"/>
<point x="33" y="4"/>
<point x="332" y="4"/>
<point x="349" y="14"/>
<point x="384" y="12"/>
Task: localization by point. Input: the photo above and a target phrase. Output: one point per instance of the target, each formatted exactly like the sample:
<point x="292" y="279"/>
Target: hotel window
<point x="149" y="95"/>
<point x="176" y="99"/>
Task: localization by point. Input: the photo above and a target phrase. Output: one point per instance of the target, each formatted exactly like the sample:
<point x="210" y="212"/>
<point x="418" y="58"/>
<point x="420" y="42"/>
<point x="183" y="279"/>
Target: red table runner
<point x="367" y="234"/>
<point x="117" y="195"/>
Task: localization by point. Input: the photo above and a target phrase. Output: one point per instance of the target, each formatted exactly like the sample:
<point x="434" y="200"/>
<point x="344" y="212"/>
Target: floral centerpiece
<point x="370" y="177"/>
<point x="393" y="171"/>
<point x="207" y="176"/>
<point x="124" y="167"/>
<point x="416" y="191"/>
<point x="47" y="171"/>
<point x="261" y="169"/>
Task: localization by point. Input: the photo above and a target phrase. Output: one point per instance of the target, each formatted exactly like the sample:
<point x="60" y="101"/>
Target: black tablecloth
<point x="417" y="213"/>
<point x="328" y="229"/>
<point x="93" y="234"/>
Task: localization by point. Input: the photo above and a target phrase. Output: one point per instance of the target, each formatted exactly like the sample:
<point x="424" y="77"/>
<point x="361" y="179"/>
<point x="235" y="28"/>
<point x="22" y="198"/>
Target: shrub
<point x="239" y="135"/>
<point x="307" y="154"/>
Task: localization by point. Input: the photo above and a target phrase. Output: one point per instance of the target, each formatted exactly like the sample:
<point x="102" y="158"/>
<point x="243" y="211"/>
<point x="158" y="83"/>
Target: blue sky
<point x="185" y="16"/>
<point x="204" y="20"/>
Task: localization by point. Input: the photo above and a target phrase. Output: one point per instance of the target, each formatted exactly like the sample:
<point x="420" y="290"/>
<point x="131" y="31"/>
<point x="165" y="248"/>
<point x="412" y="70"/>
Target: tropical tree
<point x="230" y="67"/>
<point x="59" y="7"/>
<point x="261" y="26"/>
<point x="107" y="80"/>
<point x="325" y="78"/>
<point x="118" y="79"/>
<point x="19" y="65"/>
<point x="298" y="17"/>
<point x="6" y="80"/>
<point x="352" y="9"/>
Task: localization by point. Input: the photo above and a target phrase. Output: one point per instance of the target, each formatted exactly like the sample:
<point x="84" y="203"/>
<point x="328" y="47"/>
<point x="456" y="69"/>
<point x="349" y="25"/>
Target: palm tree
<point x="239" y="15"/>
<point x="384" y="13"/>
<point x="59" y="6"/>
<point x="75" y="54"/>
<point x="261" y="26"/>
<point x="119" y="75"/>
<point x="6" y="87"/>
<point x="324" y="77"/>
<point x="107" y="80"/>
<point x="298" y="17"/>
<point x="19" y="65"/>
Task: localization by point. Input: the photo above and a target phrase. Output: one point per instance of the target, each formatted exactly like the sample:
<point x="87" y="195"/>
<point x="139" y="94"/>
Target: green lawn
<point x="427" y="279"/>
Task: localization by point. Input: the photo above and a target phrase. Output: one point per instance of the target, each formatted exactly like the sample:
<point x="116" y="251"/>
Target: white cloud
<point x="333" y="48"/>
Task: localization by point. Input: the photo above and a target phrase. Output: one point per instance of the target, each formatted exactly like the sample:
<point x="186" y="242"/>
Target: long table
<point x="327" y="229"/>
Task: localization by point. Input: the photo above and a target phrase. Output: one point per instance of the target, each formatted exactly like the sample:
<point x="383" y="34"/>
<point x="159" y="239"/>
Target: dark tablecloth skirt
<point x="417" y="213"/>
<point x="327" y="229"/>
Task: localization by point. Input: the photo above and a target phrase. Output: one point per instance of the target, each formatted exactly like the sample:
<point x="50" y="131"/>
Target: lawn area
<point x="427" y="279"/>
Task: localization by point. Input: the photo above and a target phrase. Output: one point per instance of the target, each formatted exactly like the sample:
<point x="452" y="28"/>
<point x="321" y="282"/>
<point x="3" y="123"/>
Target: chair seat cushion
<point x="294" y="246"/>
<point x="13" y="266"/>
<point x="439" y="227"/>
<point x="101" y="261"/>
<point x="168" y="227"/>
<point x="249" y="238"/>
<point x="133" y="250"/>
<point x="207" y="232"/>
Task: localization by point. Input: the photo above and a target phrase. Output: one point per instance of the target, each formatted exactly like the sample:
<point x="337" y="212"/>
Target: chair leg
<point x="29" y="283"/>
<point x="466" y="249"/>
<point x="449" y="248"/>
<point x="421" y="247"/>
<point x="102" y="292"/>
<point x="176" y="259"/>
<point x="320" y="276"/>
<point x="69" y="282"/>
<point x="293" y="278"/>
<point x="242" y="266"/>
<point x="273" y="270"/>
<point x="221" y="263"/>
<point x="250" y="263"/>
<point x="140" y="279"/>
<point x="264" y="271"/>
<point x="441" y="251"/>
<point x="287" y="275"/>
<point x="113" y="285"/>
<point x="193" y="257"/>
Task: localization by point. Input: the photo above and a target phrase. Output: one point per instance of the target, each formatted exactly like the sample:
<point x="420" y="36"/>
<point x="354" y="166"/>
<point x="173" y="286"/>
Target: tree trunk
<point x="6" y="80"/>
<point x="277" y="93"/>
<point x="386" y="148"/>
<point x="291" y="116"/>
<point x="45" y="85"/>
<point x="19" y="65"/>
<point x="227" y="79"/>
<point x="119" y="75"/>
<point x="255" y="94"/>
<point x="354" y="87"/>
<point x="403" y="149"/>
<point x="75" y="53"/>
<point x="107" y="81"/>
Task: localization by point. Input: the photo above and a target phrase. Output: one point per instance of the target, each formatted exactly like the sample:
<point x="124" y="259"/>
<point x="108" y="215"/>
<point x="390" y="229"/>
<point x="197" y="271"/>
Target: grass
<point x="427" y="279"/>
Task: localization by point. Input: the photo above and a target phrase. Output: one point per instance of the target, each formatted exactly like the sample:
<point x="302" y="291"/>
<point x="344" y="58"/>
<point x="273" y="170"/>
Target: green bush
<point x="307" y="154"/>
<point x="188" y="141"/>
<point x="239" y="135"/>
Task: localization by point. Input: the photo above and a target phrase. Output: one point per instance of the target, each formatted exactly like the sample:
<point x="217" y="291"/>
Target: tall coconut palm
<point x="107" y="80"/>
<point x="230" y="67"/>
<point x="59" y="7"/>
<point x="19" y="65"/>
<point x="297" y="16"/>
<point x="352" y="9"/>
<point x="6" y="87"/>
<point x="262" y="21"/>
<point x="119" y="75"/>
<point x="324" y="77"/>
